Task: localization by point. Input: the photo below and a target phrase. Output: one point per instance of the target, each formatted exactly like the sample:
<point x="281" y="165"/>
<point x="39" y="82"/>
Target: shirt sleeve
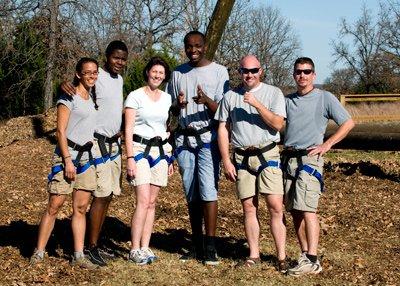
<point x="335" y="110"/>
<point x="222" y="113"/>
<point x="223" y="84"/>
<point x="278" y="105"/>
<point x="171" y="87"/>
<point x="66" y="100"/>
<point x="132" y="101"/>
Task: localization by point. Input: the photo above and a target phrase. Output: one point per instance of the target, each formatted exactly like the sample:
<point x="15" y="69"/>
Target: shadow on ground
<point x="365" y="168"/>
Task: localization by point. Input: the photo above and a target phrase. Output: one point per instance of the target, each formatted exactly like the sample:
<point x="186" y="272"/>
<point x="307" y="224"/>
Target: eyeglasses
<point x="246" y="71"/>
<point x="88" y="73"/>
<point x="306" y="72"/>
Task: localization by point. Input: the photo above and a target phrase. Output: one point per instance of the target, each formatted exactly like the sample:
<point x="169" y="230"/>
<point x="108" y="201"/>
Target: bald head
<point x="250" y="61"/>
<point x="250" y="70"/>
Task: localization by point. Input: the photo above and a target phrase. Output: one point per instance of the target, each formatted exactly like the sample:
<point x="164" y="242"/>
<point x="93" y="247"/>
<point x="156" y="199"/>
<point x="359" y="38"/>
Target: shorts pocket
<point x="312" y="193"/>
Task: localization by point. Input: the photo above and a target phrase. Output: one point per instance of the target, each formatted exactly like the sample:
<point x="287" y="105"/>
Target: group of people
<point x="87" y="159"/>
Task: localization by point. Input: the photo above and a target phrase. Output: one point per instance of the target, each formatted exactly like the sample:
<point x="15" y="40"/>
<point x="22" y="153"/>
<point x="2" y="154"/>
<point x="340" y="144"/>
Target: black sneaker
<point x="192" y="254"/>
<point x="94" y="255"/>
<point x="106" y="253"/>
<point x="211" y="256"/>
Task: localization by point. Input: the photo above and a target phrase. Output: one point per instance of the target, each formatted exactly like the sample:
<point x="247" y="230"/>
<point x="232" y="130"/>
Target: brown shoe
<point x="282" y="266"/>
<point x="83" y="262"/>
<point x="249" y="262"/>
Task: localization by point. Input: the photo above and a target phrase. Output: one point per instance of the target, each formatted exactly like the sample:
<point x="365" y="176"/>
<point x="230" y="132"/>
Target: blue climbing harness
<point x="79" y="168"/>
<point x="153" y="142"/>
<point x="289" y="153"/>
<point x="259" y="153"/>
<point x="191" y="132"/>
<point x="106" y="153"/>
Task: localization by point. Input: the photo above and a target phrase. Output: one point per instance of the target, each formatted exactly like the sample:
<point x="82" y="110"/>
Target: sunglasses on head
<point x="307" y="72"/>
<point x="246" y="71"/>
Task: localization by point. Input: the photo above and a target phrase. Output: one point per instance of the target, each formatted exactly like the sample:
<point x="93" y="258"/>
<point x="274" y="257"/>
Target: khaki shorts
<point x="158" y="174"/>
<point x="269" y="181"/>
<point x="84" y="181"/>
<point x="108" y="173"/>
<point x="303" y="194"/>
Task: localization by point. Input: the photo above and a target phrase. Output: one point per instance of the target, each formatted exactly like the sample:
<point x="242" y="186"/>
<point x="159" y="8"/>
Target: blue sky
<point x="317" y="23"/>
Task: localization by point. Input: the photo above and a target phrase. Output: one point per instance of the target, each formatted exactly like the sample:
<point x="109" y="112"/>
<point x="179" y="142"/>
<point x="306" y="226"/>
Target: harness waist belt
<point x="253" y="151"/>
<point x="103" y="140"/>
<point x="80" y="148"/>
<point x="192" y="131"/>
<point x="294" y="153"/>
<point x="155" y="141"/>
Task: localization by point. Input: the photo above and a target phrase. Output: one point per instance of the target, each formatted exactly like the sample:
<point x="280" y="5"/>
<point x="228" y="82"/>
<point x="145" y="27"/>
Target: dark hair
<point x="115" y="45"/>
<point x="192" y="33"/>
<point x="153" y="62"/>
<point x="304" y="60"/>
<point x="78" y="69"/>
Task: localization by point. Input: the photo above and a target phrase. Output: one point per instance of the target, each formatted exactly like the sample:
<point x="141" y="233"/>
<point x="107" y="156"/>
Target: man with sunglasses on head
<point x="308" y="111"/>
<point x="196" y="88"/>
<point x="253" y="116"/>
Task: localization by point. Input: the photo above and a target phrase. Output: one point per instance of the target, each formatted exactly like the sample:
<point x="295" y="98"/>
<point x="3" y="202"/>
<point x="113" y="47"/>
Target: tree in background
<point x="270" y="37"/>
<point x="369" y="50"/>
<point x="32" y="57"/>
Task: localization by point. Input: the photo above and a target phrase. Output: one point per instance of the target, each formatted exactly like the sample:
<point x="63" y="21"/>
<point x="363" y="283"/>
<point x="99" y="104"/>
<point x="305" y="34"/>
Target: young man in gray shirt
<point x="196" y="88"/>
<point x="254" y="114"/>
<point x="308" y="111"/>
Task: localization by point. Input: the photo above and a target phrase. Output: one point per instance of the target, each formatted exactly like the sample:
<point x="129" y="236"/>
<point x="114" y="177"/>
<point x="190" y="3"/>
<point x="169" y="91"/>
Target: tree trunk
<point x="48" y="85"/>
<point x="216" y="27"/>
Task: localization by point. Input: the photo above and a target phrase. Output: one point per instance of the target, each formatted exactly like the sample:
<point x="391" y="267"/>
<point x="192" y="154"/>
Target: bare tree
<point x="270" y="38"/>
<point x="363" y="55"/>
<point x="48" y="85"/>
<point x="217" y="25"/>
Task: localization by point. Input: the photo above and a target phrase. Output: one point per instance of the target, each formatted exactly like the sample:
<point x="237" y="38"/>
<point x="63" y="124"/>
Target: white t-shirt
<point x="151" y="116"/>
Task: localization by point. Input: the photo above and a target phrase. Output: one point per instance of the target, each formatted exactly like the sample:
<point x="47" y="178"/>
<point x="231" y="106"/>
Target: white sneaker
<point x="136" y="256"/>
<point x="149" y="255"/>
<point x="305" y="267"/>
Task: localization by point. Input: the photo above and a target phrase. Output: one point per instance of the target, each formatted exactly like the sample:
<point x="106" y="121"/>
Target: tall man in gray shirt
<point x="197" y="87"/>
<point x="255" y="113"/>
<point x="308" y="111"/>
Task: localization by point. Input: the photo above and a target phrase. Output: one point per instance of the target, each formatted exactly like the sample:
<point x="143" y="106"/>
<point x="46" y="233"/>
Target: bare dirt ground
<point x="359" y="245"/>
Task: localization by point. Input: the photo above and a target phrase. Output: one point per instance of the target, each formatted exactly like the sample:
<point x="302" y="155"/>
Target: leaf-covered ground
<point x="360" y="226"/>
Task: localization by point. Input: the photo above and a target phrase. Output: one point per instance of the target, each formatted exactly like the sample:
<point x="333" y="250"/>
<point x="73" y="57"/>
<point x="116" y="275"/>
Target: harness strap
<point x="81" y="149"/>
<point x="250" y="152"/>
<point x="79" y="168"/>
<point x="191" y="132"/>
<point x="106" y="154"/>
<point x="155" y="141"/>
<point x="287" y="154"/>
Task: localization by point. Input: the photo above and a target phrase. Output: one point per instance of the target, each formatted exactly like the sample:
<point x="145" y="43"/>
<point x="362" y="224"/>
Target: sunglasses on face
<point x="306" y="72"/>
<point x="246" y="71"/>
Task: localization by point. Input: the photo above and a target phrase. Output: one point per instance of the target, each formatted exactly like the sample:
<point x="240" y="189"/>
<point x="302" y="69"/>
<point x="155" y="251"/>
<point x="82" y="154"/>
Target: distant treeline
<point x="40" y="42"/>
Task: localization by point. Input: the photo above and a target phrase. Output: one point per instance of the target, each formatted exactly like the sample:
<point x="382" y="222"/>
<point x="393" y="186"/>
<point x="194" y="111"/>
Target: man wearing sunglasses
<point x="254" y="114"/>
<point x="308" y="111"/>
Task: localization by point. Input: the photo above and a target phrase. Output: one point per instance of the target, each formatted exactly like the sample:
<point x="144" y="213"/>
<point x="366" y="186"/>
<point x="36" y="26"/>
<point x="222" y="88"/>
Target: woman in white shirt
<point x="148" y="153"/>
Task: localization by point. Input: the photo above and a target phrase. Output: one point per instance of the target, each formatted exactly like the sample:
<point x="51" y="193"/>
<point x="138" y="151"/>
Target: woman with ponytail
<point x="73" y="170"/>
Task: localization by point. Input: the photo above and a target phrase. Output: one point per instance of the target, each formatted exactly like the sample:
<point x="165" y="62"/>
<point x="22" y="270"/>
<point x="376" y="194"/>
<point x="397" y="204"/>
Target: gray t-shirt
<point x="81" y="122"/>
<point x="248" y="128"/>
<point x="308" y="116"/>
<point x="213" y="79"/>
<point x="110" y="102"/>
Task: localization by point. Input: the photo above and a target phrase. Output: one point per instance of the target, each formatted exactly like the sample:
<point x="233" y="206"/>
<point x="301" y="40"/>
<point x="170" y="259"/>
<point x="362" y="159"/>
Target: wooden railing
<point x="344" y="98"/>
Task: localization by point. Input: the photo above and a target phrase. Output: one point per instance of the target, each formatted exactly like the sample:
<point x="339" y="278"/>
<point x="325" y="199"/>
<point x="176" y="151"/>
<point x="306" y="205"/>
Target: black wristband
<point x="129" y="157"/>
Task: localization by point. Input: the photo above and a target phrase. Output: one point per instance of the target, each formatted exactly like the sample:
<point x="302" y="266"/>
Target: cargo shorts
<point x="303" y="193"/>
